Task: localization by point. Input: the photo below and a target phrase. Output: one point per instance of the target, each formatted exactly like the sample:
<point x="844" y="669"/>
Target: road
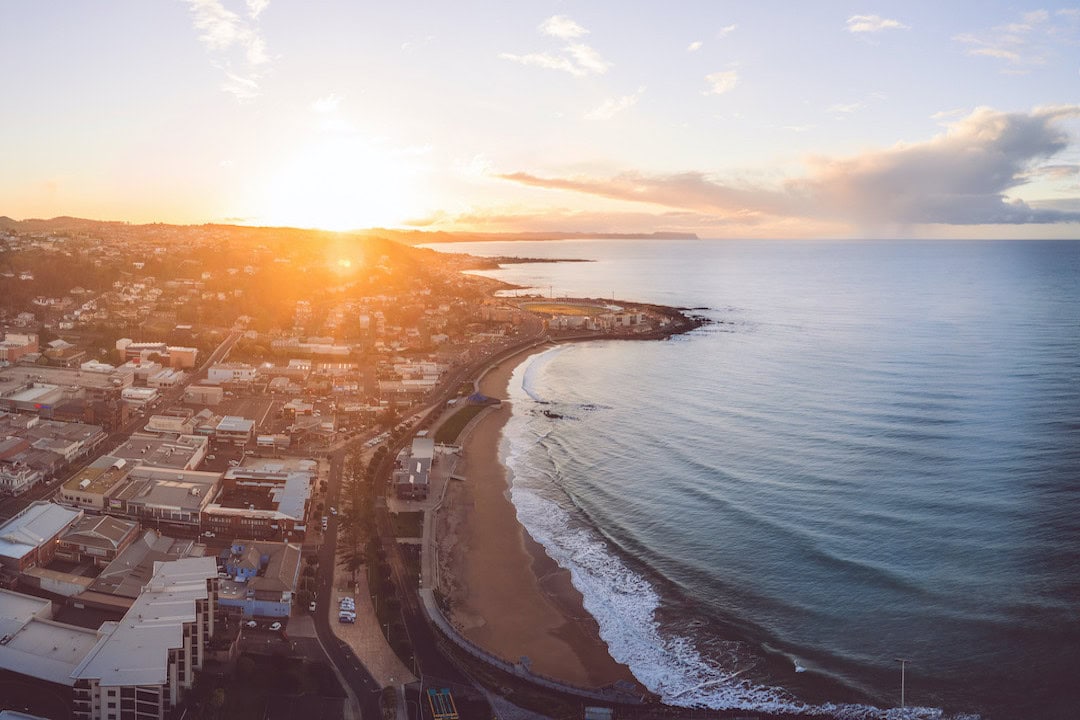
<point x="362" y="684"/>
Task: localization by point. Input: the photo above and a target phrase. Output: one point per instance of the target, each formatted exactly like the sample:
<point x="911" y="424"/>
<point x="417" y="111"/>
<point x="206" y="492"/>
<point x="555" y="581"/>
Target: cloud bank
<point x="961" y="177"/>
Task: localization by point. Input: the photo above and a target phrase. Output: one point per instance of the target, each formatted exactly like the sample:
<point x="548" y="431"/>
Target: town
<point x="217" y="446"/>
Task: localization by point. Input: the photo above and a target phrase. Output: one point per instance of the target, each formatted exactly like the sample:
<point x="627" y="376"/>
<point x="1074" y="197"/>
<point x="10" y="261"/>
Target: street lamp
<point x="903" y="665"/>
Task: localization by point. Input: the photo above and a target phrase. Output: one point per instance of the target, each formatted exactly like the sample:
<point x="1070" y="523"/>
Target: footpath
<point x="365" y="637"/>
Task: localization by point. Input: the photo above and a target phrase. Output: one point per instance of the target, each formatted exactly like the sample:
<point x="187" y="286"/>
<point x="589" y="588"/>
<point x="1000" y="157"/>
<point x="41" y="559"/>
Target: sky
<point x="727" y="119"/>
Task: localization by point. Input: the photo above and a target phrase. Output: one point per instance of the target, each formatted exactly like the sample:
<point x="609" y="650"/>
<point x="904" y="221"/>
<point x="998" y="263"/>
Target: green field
<point x="448" y="432"/>
<point x="555" y="308"/>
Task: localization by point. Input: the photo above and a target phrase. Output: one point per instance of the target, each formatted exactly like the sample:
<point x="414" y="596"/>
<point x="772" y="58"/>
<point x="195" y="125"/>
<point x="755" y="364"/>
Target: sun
<point x="339" y="184"/>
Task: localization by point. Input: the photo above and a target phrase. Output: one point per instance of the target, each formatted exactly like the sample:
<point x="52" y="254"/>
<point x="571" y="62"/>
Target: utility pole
<point x="903" y="664"/>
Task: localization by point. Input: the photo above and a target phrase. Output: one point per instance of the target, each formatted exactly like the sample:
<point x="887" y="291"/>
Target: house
<point x="29" y="539"/>
<point x="97" y="539"/>
<point x="262" y="577"/>
<point x="411" y="479"/>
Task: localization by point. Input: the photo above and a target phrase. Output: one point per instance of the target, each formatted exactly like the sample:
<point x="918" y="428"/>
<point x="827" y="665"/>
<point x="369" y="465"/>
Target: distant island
<point x="406" y="237"/>
<point x="418" y="237"/>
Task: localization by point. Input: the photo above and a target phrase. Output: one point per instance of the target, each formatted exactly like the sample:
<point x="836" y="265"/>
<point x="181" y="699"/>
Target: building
<point x="97" y="539"/>
<point x="412" y="477"/>
<point x="142" y="666"/>
<point x="266" y="500"/>
<point x="203" y="395"/>
<point x="15" y="345"/>
<point x="165" y="378"/>
<point x="185" y="452"/>
<point x="169" y="425"/>
<point x="37" y="646"/>
<point x="72" y="383"/>
<point x="139" y="397"/>
<point x="30" y="538"/>
<point x="262" y="577"/>
<point x="234" y="430"/>
<point x="175" y="356"/>
<point x="163" y="496"/>
<point x="125" y="576"/>
<point x="224" y="373"/>
<point x="90" y="487"/>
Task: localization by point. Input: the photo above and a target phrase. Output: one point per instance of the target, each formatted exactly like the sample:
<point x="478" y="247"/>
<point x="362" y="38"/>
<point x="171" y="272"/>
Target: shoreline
<point x="503" y="591"/>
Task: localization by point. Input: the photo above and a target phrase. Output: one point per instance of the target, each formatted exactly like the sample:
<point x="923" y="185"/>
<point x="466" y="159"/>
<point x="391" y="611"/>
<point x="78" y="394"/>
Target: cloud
<point x="577" y="59"/>
<point x="694" y="46"/>
<point x="1031" y="40"/>
<point x="613" y="106"/>
<point x="327" y="104"/>
<point x="721" y="82"/>
<point x="562" y="27"/>
<point x="873" y="24"/>
<point x="725" y="31"/>
<point x="961" y="177"/>
<point x="233" y="42"/>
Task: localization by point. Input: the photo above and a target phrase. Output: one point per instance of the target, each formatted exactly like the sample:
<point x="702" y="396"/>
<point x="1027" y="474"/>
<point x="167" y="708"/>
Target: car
<point x="333" y="510"/>
<point x="251" y="624"/>
<point x="346" y="617"/>
<point x="249" y="452"/>
<point x="209" y="534"/>
<point x="275" y="626"/>
<point x="211" y="457"/>
<point x="311" y="606"/>
<point x="234" y="463"/>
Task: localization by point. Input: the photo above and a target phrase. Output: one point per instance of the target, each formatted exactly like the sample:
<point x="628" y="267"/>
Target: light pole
<point x="903" y="665"/>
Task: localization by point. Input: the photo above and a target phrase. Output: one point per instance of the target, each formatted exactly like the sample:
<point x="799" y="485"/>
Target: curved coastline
<point x="504" y="592"/>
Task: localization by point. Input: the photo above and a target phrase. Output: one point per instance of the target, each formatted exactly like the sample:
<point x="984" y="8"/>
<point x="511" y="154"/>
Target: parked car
<point x="311" y="606"/>
<point x="275" y="626"/>
<point x="209" y="534"/>
<point x="345" y="617"/>
<point x="211" y="457"/>
<point x="333" y="510"/>
<point x="251" y="624"/>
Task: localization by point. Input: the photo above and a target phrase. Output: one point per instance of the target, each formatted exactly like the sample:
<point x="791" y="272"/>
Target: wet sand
<point x="505" y="593"/>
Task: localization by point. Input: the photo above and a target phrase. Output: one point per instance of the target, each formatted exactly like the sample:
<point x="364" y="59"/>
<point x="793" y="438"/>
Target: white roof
<point x="33" y="526"/>
<point x="234" y="423"/>
<point x="423" y="448"/>
<point x="37" y="646"/>
<point x="135" y="651"/>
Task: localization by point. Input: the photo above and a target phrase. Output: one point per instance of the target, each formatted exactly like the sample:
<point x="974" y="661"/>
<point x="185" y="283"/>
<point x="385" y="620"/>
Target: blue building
<point x="262" y="577"/>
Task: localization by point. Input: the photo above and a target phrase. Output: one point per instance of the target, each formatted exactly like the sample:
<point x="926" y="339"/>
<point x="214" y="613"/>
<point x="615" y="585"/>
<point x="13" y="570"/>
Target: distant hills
<point x="407" y="237"/>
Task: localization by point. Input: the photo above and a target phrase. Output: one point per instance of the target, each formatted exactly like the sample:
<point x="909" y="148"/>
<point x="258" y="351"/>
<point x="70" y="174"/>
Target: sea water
<point x="872" y="452"/>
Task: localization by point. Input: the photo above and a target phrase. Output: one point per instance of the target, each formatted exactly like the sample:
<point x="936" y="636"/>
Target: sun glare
<point x="339" y="184"/>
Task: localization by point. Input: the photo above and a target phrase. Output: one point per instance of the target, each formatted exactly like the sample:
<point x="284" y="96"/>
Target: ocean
<point x="872" y="452"/>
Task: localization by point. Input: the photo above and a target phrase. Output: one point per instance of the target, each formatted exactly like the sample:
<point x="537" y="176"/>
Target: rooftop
<point x="36" y="645"/>
<point x="135" y="650"/>
<point x="133" y="568"/>
<point x="99" y="531"/>
<point x="161" y="452"/>
<point x="234" y="423"/>
<point x="33" y="526"/>
<point x="99" y="476"/>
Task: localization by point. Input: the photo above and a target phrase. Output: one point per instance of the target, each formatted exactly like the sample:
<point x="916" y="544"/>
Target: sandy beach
<point x="505" y="593"/>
